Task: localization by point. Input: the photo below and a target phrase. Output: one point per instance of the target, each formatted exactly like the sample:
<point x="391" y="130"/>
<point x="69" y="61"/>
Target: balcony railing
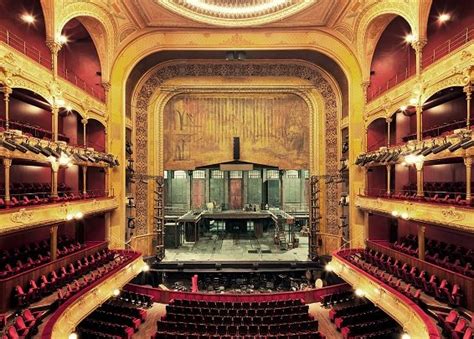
<point x="440" y="51"/>
<point x="22" y="46"/>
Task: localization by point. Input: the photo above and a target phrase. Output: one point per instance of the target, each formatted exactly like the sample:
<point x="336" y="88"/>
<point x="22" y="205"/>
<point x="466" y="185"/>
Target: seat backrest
<point x="452" y="316"/>
<point x="461" y="325"/>
<point x="19" y="323"/>
<point x="12" y="333"/>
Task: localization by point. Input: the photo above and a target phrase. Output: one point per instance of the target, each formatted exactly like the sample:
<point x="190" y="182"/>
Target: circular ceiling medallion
<point x="236" y="13"/>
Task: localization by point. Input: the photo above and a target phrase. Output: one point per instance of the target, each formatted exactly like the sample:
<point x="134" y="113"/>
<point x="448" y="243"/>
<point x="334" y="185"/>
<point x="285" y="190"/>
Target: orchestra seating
<point x="203" y="319"/>
<point x="359" y="318"/>
<point x="406" y="279"/>
<point x="115" y="316"/>
<point x="452" y="257"/>
<point x="18" y="260"/>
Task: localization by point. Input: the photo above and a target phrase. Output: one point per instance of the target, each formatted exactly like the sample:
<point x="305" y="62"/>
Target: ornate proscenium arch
<point x="320" y="82"/>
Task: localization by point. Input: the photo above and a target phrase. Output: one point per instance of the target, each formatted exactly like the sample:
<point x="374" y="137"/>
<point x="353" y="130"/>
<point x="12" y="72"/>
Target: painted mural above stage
<point x="272" y="127"/>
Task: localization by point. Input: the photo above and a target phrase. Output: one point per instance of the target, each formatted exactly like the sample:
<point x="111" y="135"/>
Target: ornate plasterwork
<point x="157" y="77"/>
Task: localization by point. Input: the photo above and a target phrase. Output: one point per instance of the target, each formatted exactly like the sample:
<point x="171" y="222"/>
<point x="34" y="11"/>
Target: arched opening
<point x="29" y="112"/>
<point x="22" y="26"/>
<point x="393" y="60"/>
<point x="70" y="126"/>
<point x="376" y="134"/>
<point x="450" y="25"/>
<point x="78" y="59"/>
<point x="95" y="135"/>
<point x="444" y="112"/>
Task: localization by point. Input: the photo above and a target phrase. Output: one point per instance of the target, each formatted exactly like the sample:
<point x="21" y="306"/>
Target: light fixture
<point x="64" y="160"/>
<point x="412" y="159"/>
<point x="145" y="268"/>
<point x="403" y="108"/>
<point x="116" y="292"/>
<point x="79" y="215"/>
<point x="28" y="18"/>
<point x="444" y="17"/>
<point x="206" y="6"/>
<point x="409" y="38"/>
<point x="68" y="108"/>
<point x="60" y="102"/>
<point x="328" y="267"/>
<point x="73" y="336"/>
<point x="62" y="39"/>
<point x="404" y="215"/>
<point x="69" y="217"/>
<point x="405" y="336"/>
<point x="358" y="292"/>
<point x="413" y="101"/>
<point x="395" y="213"/>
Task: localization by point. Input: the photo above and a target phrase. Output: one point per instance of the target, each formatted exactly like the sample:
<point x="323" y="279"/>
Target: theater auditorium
<point x="287" y="169"/>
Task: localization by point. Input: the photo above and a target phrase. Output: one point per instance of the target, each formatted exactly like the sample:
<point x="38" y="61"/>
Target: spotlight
<point x="73" y="336"/>
<point x="328" y="267"/>
<point x="457" y="146"/>
<point x="468" y="144"/>
<point x="116" y="292"/>
<point x="69" y="217"/>
<point x="409" y="38"/>
<point x="28" y="18"/>
<point x="404" y="215"/>
<point x="358" y="292"/>
<point x="30" y="147"/>
<point x="395" y="213"/>
<point x="145" y="268"/>
<point x="405" y="336"/>
<point x="79" y="215"/>
<point x="9" y="146"/>
<point x="444" y="17"/>
<point x="442" y="147"/>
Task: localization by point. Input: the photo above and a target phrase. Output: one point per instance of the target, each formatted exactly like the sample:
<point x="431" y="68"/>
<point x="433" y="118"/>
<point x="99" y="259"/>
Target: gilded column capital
<point x="85" y="121"/>
<point x="468" y="90"/>
<point x="53" y="46"/>
<point x="388" y="120"/>
<point x="7" y="162"/>
<point x="419" y="44"/>
<point x="106" y="85"/>
<point x="55" y="166"/>
<point x="421" y="228"/>
<point x="6" y="90"/>
<point x="468" y="161"/>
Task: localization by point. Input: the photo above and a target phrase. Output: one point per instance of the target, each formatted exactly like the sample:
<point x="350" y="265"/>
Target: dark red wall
<point x="70" y="125"/>
<point x="392" y="54"/>
<point x="21" y="111"/>
<point x="95" y="179"/>
<point x="79" y="55"/>
<point x="462" y="17"/>
<point x="95" y="135"/>
<point x="377" y="180"/>
<point x="94" y="228"/>
<point x="34" y="35"/>
<point x="379" y="227"/>
<point x="376" y="134"/>
<point x="453" y="110"/>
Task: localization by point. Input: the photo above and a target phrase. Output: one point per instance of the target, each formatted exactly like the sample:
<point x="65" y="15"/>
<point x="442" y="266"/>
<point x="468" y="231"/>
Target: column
<point x="7" y="163"/>
<point x="54" y="121"/>
<point x="84" y="180"/>
<point x="388" y="120"/>
<point x="389" y="179"/>
<point x="282" y="192"/>
<point x="468" y="91"/>
<point x="419" y="181"/>
<point x="421" y="242"/>
<point x="53" y="245"/>
<point x="419" y="122"/>
<point x="468" y="163"/>
<point x="54" y="47"/>
<point x="190" y="189"/>
<point x="207" y="184"/>
<point x="365" y="87"/>
<point x="303" y="205"/>
<point x="225" y="203"/>
<point x="106" y="86"/>
<point x="6" y="96"/>
<point x="84" y="131"/>
<point x="418" y="47"/>
<point x="54" y="180"/>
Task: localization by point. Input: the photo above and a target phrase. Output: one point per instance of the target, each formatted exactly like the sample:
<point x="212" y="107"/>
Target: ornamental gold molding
<point x="402" y="312"/>
<point x="19" y="71"/>
<point x="66" y="323"/>
<point x="36" y="216"/>
<point x="452" y="70"/>
<point x="452" y="217"/>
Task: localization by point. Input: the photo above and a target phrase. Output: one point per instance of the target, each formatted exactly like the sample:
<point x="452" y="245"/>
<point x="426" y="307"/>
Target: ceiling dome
<point x="236" y="13"/>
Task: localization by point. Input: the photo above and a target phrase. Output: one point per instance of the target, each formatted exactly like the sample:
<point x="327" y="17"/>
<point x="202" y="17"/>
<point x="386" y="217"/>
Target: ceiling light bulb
<point x="403" y="108"/>
<point x="409" y="38"/>
<point x="69" y="217"/>
<point x="116" y="292"/>
<point x="60" y="102"/>
<point x="68" y="108"/>
<point x="359" y="292"/>
<point x="146" y="268"/>
<point x="395" y="213"/>
<point x="62" y="39"/>
<point x="28" y="18"/>
<point x="443" y="17"/>
<point x="404" y="215"/>
<point x="413" y="101"/>
<point x="328" y="267"/>
<point x="405" y="336"/>
<point x="72" y="336"/>
<point x="79" y="215"/>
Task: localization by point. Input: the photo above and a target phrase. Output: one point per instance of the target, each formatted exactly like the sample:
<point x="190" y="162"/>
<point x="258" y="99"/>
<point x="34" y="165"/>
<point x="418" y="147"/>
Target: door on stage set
<point x="235" y="194"/>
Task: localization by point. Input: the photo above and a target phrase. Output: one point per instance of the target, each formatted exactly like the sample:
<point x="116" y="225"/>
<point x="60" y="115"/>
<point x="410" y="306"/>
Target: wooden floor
<point x="325" y="325"/>
<point x="148" y="328"/>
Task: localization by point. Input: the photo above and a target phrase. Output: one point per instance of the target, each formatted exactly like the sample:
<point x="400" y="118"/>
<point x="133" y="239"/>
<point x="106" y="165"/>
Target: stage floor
<point x="213" y="249"/>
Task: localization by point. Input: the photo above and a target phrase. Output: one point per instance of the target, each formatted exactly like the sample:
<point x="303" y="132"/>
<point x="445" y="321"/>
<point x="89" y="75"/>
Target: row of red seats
<point x="24" y="325"/>
<point x="109" y="262"/>
<point x="30" y="129"/>
<point x="137" y="299"/>
<point x="14" y="261"/>
<point x="98" y="326"/>
<point x="64" y="275"/>
<point x="237" y="305"/>
<point x="28" y="200"/>
<point x="429" y="284"/>
<point x="237" y="312"/>
<point x="438" y="198"/>
<point x="454" y="326"/>
<point x="336" y="298"/>
<point x="396" y="283"/>
<point x="234" y="320"/>
<point x="452" y="257"/>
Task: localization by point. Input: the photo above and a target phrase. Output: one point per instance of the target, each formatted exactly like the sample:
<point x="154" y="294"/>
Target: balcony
<point x="415" y="322"/>
<point x="28" y="217"/>
<point x="449" y="216"/>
